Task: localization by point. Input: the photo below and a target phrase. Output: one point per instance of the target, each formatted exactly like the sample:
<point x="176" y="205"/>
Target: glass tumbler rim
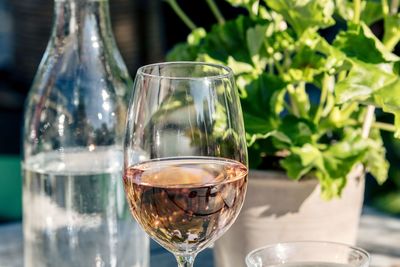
<point x="227" y="71"/>
<point x="366" y="258"/>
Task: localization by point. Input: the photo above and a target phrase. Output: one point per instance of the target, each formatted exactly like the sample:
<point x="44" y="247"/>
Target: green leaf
<point x="184" y="52"/>
<point x="310" y="155"/>
<point x="371" y="10"/>
<point x="332" y="165"/>
<point x="255" y="38"/>
<point x="239" y="67"/>
<point x="335" y="59"/>
<point x="307" y="60"/>
<point x="307" y="64"/>
<point x="293" y="167"/>
<point x="388" y="98"/>
<point x="299" y="130"/>
<point x="375" y="160"/>
<point x="372" y="84"/>
<point x="261" y="108"/>
<point x="304" y="14"/>
<point x="359" y="42"/>
<point x="227" y="40"/>
<point x="330" y="187"/>
<point x="223" y="42"/>
<point x="255" y="124"/>
<point x="301" y="161"/>
<point x="362" y="81"/>
<point x="339" y="159"/>
<point x="261" y="92"/>
<point x="255" y="158"/>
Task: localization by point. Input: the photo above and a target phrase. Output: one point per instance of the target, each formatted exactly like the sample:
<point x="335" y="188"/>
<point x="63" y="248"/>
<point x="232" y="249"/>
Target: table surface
<point x="379" y="234"/>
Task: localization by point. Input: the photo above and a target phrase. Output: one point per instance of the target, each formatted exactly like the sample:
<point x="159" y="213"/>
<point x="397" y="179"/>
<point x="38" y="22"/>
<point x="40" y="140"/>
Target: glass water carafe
<point x="75" y="213"/>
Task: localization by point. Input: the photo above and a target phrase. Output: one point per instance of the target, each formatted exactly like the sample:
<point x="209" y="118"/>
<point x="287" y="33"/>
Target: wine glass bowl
<point x="185" y="155"/>
<point x="186" y="203"/>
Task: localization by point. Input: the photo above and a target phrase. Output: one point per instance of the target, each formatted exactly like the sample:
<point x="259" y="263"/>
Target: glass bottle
<point x="74" y="209"/>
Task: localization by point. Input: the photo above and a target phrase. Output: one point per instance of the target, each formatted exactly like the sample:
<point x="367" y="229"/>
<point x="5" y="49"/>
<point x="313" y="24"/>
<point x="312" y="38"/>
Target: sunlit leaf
<point x="305" y="14"/>
<point x="359" y="42"/>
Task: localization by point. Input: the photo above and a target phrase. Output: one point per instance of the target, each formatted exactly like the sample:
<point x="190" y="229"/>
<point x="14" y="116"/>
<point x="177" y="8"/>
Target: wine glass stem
<point x="185" y="260"/>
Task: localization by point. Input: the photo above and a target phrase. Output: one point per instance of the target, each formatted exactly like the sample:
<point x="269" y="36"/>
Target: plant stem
<point x="270" y="67"/>
<point x="369" y="117"/>
<point x="279" y="67"/>
<point x="341" y="76"/>
<point x="357" y="11"/>
<point x="394" y="6"/>
<point x="384" y="126"/>
<point x="215" y="10"/>
<point x="348" y="109"/>
<point x="185" y="260"/>
<point x="391" y="43"/>
<point x="385" y="7"/>
<point x="322" y="99"/>
<point x="302" y="99"/>
<point x="292" y="97"/>
<point x="181" y="14"/>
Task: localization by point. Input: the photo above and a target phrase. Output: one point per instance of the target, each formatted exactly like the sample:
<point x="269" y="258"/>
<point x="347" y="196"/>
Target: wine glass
<point x="185" y="155"/>
<point x="308" y="254"/>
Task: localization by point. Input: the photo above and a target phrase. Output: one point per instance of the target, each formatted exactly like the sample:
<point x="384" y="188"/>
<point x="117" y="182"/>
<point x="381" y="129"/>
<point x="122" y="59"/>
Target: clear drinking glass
<point x="185" y="155"/>
<point x="308" y="254"/>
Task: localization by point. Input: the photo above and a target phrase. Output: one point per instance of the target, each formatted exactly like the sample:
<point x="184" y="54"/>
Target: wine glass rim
<point x="363" y="252"/>
<point x="227" y="71"/>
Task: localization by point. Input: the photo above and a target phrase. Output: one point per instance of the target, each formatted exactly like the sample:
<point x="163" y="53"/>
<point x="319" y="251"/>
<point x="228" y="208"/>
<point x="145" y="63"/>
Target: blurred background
<point x="145" y="31"/>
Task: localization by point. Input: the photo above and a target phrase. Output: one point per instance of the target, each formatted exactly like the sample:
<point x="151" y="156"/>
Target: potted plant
<point x="310" y="75"/>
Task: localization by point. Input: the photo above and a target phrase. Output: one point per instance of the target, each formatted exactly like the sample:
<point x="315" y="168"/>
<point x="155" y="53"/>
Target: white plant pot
<point x="278" y="209"/>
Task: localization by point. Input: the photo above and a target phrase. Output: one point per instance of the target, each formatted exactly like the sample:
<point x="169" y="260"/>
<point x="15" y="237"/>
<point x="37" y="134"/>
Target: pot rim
<point x="357" y="172"/>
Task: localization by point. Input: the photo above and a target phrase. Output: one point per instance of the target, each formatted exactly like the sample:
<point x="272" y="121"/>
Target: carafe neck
<point x="82" y="18"/>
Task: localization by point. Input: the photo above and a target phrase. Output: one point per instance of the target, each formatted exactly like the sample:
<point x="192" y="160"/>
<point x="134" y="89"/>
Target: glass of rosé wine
<point x="185" y="155"/>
